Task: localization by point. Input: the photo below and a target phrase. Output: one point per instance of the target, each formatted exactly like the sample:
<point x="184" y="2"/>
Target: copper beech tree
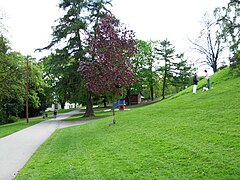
<point x="110" y="48"/>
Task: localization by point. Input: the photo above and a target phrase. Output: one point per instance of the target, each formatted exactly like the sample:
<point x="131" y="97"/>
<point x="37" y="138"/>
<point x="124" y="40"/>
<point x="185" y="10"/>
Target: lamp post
<point x="27" y="91"/>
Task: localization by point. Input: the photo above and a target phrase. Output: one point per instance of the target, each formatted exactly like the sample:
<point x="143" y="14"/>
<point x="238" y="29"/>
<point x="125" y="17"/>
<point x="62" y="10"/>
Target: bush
<point x="12" y="119"/>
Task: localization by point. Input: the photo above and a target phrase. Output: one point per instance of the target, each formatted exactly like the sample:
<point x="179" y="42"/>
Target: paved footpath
<point x="17" y="148"/>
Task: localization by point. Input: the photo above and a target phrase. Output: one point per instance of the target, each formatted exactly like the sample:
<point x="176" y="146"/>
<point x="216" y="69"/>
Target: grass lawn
<point x="184" y="137"/>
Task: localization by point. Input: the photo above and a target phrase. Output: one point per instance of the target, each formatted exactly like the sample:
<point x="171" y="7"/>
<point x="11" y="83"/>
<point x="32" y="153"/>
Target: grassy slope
<point x="185" y="137"/>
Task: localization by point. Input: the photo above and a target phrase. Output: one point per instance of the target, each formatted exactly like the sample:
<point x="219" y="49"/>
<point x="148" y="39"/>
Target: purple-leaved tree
<point x="111" y="49"/>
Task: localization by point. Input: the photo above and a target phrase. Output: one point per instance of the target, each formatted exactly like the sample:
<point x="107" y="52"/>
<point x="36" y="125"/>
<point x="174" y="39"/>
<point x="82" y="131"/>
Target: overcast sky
<point x="29" y="21"/>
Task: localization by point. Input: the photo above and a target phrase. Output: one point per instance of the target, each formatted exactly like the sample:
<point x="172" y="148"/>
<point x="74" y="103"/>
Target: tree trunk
<point x="62" y="104"/>
<point x="129" y="96"/>
<point x="89" y="106"/>
<point x="164" y="82"/>
<point x="214" y="66"/>
<point x="104" y="102"/>
<point x="151" y="92"/>
<point x="163" y="89"/>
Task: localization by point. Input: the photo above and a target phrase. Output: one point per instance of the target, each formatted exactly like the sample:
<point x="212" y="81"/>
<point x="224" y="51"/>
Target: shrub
<point x="12" y="119"/>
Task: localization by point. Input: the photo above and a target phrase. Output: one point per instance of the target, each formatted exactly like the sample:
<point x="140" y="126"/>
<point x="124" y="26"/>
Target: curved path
<point x="17" y="148"/>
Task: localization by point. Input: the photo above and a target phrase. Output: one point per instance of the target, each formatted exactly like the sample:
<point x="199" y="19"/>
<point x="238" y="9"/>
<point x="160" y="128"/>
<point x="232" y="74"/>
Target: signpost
<point x="27" y="91"/>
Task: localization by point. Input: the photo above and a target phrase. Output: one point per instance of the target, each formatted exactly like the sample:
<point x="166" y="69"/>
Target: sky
<point x="29" y="22"/>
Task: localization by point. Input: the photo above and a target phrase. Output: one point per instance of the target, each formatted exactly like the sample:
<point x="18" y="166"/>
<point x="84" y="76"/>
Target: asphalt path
<point x="17" y="148"/>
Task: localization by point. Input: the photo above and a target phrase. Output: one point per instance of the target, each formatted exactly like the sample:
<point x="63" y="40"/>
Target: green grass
<point x="184" y="137"/>
<point x="8" y="129"/>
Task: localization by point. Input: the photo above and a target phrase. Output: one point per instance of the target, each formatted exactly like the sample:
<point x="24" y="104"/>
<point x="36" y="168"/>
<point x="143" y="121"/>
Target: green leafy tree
<point x="12" y="85"/>
<point x="143" y="63"/>
<point x="165" y="52"/>
<point x="176" y="72"/>
<point x="63" y="83"/>
<point x="183" y="74"/>
<point x="71" y="32"/>
<point x="228" y="20"/>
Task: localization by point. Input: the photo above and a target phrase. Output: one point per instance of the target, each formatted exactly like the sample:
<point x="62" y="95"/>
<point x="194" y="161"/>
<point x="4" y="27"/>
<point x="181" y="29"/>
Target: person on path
<point x="55" y="113"/>
<point x="208" y="79"/>
<point x="195" y="82"/>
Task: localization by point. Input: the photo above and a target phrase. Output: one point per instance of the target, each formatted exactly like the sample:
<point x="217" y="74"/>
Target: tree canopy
<point x="111" y="47"/>
<point x="12" y="84"/>
<point x="69" y="47"/>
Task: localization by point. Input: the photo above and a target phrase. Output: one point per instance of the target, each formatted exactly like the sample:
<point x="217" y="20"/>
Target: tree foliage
<point x="229" y="22"/>
<point x="12" y="84"/>
<point x="228" y="19"/>
<point x="70" y="48"/>
<point x="165" y="52"/>
<point x="143" y="64"/>
<point x="112" y="47"/>
<point x="182" y="75"/>
<point x="174" y="72"/>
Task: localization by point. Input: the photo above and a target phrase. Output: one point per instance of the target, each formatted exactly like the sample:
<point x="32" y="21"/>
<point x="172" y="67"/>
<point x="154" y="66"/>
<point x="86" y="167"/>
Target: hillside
<point x="184" y="137"/>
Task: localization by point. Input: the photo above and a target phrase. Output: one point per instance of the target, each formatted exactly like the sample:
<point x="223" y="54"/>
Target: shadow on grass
<point x="78" y="117"/>
<point x="101" y="113"/>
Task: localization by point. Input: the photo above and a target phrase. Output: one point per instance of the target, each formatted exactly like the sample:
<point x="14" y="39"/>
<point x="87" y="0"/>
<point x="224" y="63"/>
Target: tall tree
<point x="11" y="81"/>
<point x="80" y="18"/>
<point x="111" y="47"/>
<point x="209" y="44"/>
<point x="228" y="19"/>
<point x="65" y="83"/>
<point x="165" y="52"/>
<point x="12" y="87"/>
<point x="97" y="10"/>
<point x="183" y="74"/>
<point x="143" y="62"/>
